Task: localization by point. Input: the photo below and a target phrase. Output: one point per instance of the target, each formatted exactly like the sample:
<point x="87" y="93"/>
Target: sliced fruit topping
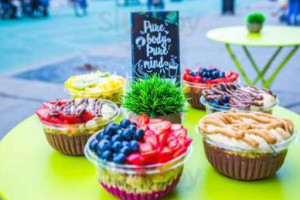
<point x="148" y="141"/>
<point x="209" y="76"/>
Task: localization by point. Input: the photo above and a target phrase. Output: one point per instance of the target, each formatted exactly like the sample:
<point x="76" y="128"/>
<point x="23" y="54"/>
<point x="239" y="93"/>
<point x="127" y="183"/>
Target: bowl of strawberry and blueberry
<point x="142" y="159"/>
<point x="68" y="124"/>
<point x="203" y="78"/>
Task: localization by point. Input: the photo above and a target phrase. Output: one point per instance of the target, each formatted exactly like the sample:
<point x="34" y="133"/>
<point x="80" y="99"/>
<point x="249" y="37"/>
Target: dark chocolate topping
<point x="78" y="107"/>
<point x="239" y="96"/>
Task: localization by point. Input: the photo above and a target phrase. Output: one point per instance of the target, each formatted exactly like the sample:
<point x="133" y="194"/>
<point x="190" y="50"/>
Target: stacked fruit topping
<point x="146" y="141"/>
<point x="231" y="95"/>
<point x="65" y="111"/>
<point x="97" y="82"/>
<point x="210" y="75"/>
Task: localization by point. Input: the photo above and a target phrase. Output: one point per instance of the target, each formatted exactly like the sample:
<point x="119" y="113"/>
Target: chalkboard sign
<point x="155" y="44"/>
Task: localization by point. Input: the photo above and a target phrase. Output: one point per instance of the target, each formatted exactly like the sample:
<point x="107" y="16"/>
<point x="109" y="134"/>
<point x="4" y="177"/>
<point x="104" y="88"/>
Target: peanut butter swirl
<point x="77" y="107"/>
<point x="239" y="96"/>
<point x="255" y="129"/>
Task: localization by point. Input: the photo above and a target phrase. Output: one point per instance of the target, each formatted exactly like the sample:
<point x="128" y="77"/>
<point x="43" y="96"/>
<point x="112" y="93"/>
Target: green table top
<point x="31" y="170"/>
<point x="270" y="36"/>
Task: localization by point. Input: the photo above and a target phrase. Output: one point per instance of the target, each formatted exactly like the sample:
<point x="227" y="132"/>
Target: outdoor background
<point x="38" y="54"/>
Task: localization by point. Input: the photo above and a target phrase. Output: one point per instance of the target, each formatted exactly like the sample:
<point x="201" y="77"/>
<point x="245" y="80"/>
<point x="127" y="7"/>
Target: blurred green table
<point x="31" y="170"/>
<point x="271" y="36"/>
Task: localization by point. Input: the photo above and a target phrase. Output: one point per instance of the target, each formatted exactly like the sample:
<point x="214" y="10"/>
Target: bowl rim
<point x="204" y="85"/>
<point x="114" y="116"/>
<point x="135" y="169"/>
<point x="273" y="148"/>
<point x="223" y="108"/>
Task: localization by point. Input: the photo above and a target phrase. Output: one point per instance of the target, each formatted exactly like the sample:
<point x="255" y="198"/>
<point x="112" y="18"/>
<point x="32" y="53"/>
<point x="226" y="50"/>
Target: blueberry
<point x="126" y="150"/>
<point x="204" y="79"/>
<point x="106" y="155"/>
<point x="106" y="137"/>
<point x="204" y="75"/>
<point x="119" y="132"/>
<point x="214" y="101"/>
<point x="103" y="145"/>
<point x="132" y="128"/>
<point x="93" y="144"/>
<point x="99" y="135"/>
<point x="193" y="74"/>
<point x="233" y="86"/>
<point x="116" y="138"/>
<point x="124" y="123"/>
<point x="215" y="74"/>
<point x="133" y="123"/>
<point x="127" y="134"/>
<point x="117" y="146"/>
<point x="221" y="74"/>
<point x="227" y="105"/>
<point x="116" y="127"/>
<point x="139" y="134"/>
<point x="109" y="130"/>
<point x="225" y="99"/>
<point x="119" y="158"/>
<point x="134" y="145"/>
<point x="125" y="143"/>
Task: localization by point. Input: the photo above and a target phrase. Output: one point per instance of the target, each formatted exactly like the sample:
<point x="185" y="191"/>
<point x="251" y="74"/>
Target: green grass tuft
<point x="155" y="97"/>
<point x="256" y="18"/>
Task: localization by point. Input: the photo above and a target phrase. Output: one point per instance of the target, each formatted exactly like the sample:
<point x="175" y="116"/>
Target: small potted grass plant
<point x="156" y="97"/>
<point x="255" y="22"/>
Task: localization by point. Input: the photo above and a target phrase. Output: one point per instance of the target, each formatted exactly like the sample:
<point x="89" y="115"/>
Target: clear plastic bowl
<point x="70" y="139"/>
<point x="193" y="93"/>
<point x="138" y="182"/>
<point x="212" y="108"/>
<point x="245" y="164"/>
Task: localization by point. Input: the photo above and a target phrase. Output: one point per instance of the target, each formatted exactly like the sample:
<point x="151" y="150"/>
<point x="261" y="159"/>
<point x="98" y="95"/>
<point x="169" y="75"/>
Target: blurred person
<point x="228" y="6"/>
<point x="79" y="5"/>
<point x="8" y="9"/>
<point x="293" y="12"/>
<point x="155" y="4"/>
<point x="39" y="7"/>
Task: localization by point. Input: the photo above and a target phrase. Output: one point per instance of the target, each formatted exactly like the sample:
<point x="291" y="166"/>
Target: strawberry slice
<point x="142" y="119"/>
<point x="134" y="159"/>
<point x="154" y="120"/>
<point x="181" y="133"/>
<point x="163" y="137"/>
<point x="42" y="113"/>
<point x="152" y="138"/>
<point x="173" y="143"/>
<point x="71" y="119"/>
<point x="149" y="157"/>
<point x="160" y="127"/>
<point x="179" y="152"/>
<point x="145" y="147"/>
<point x="175" y="127"/>
<point x="188" y="141"/>
<point x="165" y="155"/>
<point x="87" y="116"/>
<point x="47" y="104"/>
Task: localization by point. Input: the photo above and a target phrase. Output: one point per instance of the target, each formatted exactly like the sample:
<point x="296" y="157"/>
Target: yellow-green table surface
<point x="270" y="36"/>
<point x="31" y="170"/>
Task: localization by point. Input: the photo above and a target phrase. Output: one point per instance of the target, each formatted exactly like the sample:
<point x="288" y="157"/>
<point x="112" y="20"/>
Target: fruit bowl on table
<point x="249" y="146"/>
<point x="233" y="96"/>
<point x="97" y="85"/>
<point x="194" y="82"/>
<point x="68" y="132"/>
<point x="140" y="160"/>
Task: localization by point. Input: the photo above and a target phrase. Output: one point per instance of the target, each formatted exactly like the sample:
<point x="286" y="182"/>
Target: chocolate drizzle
<point x="239" y="96"/>
<point x="77" y="107"/>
